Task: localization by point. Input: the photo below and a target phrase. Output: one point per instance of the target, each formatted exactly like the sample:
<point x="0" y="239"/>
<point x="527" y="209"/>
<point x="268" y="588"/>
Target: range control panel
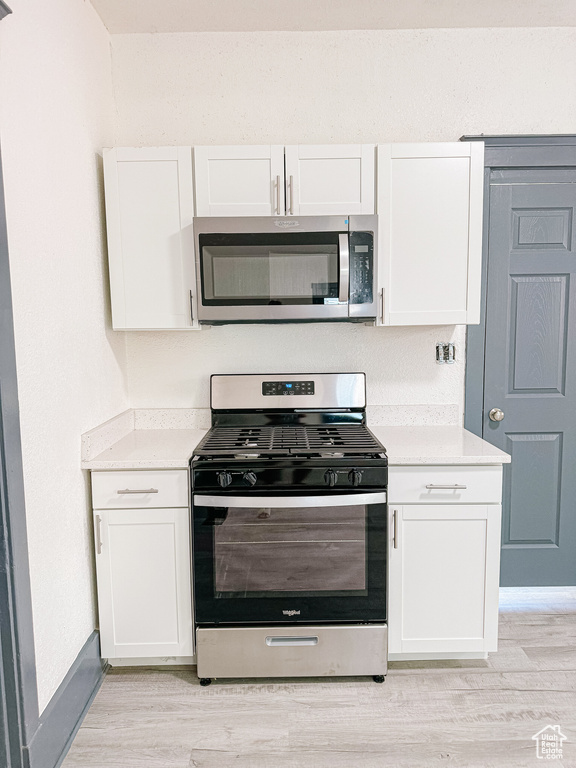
<point x="287" y="387"/>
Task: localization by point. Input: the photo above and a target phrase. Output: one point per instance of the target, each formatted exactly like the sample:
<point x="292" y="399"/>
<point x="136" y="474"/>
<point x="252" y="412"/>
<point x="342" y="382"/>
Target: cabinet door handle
<point x="395" y="528"/>
<point x="454" y="487"/>
<point x="278" y="211"/>
<point x="137" y="490"/>
<point x="98" y="534"/>
<point x="291" y="195"/>
<point x="382" y="304"/>
<point x="191" y="308"/>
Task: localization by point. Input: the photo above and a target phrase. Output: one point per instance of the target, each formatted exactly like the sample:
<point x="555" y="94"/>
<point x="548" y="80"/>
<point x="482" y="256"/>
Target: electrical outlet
<point x="445" y="353"/>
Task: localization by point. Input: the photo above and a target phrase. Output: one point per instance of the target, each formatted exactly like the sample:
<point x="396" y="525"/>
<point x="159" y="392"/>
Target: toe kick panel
<point x="307" y="651"/>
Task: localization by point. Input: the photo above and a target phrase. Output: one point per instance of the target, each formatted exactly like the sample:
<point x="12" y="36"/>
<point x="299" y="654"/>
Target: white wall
<point x="320" y="87"/>
<point x="56" y="112"/>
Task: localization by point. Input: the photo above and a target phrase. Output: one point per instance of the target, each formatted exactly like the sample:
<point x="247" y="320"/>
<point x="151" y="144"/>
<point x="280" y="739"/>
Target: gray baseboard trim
<point x="64" y="714"/>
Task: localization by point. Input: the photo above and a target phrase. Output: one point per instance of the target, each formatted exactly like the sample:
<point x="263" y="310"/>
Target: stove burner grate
<point x="288" y="440"/>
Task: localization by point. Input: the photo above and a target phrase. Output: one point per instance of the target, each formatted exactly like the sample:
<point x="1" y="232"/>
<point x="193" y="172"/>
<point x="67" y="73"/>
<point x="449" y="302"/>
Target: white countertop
<point x="149" y="449"/>
<point x="437" y="445"/>
<point x="173" y="448"/>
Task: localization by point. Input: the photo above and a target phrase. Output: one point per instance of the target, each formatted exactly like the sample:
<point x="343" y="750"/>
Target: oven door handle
<point x="284" y="502"/>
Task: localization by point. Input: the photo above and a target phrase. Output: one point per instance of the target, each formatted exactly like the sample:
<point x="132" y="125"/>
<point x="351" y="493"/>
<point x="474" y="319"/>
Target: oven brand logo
<point x="549" y="743"/>
<point x="291" y="613"/>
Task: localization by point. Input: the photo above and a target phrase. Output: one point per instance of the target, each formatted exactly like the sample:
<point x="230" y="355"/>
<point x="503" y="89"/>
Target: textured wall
<point x="56" y="114"/>
<point x="173" y="370"/>
<point x="321" y="87"/>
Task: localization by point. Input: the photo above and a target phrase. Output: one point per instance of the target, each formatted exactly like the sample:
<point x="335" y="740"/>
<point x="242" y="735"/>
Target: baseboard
<point x="433" y="656"/>
<point x="154" y="661"/>
<point x="62" y="717"/>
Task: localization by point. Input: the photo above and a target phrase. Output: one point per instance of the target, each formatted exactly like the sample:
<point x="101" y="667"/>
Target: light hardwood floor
<point x="467" y="714"/>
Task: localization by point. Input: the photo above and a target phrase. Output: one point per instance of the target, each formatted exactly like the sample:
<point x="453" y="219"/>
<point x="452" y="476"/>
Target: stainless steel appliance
<point x="267" y="269"/>
<point x="290" y="526"/>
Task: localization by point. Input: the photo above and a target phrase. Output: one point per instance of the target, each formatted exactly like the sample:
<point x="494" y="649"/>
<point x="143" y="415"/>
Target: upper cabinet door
<point x="239" y="181"/>
<point x="430" y="199"/>
<point x="329" y="179"/>
<point x="149" y="211"/>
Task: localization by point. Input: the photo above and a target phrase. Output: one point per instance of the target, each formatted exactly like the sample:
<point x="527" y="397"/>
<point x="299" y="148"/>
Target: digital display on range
<point x="288" y="388"/>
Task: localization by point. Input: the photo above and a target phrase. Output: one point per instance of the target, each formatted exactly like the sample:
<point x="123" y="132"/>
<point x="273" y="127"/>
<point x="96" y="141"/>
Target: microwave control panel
<point x="361" y="267"/>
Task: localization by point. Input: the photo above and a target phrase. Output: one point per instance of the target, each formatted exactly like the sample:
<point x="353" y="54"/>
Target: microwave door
<point x="257" y="277"/>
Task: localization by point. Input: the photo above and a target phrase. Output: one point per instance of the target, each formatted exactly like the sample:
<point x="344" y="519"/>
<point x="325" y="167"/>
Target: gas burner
<point x="289" y="440"/>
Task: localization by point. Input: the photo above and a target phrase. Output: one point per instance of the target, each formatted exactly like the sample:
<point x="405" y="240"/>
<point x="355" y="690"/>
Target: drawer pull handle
<point x="395" y="534"/>
<point x="98" y="535"/>
<point x="307" y="640"/>
<point x="144" y="490"/>
<point x="454" y="487"/>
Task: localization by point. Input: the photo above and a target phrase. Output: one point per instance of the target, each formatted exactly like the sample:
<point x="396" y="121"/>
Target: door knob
<point x="496" y="414"/>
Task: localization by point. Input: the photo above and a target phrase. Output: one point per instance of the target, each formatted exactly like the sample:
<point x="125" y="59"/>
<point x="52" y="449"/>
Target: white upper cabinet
<point x="149" y="211"/>
<point x="334" y="179"/>
<point x="430" y="199"/>
<point x="252" y="181"/>
<point x="239" y="181"/>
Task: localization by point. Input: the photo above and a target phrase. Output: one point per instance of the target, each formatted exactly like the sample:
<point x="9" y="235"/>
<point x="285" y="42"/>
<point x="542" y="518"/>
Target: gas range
<point x="322" y="446"/>
<point x="290" y="530"/>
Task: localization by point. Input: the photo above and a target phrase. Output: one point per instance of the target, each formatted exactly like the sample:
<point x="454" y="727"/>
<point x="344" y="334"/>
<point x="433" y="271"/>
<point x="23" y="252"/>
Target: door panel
<point x="335" y="179"/>
<point x="443" y="594"/>
<point x="430" y="207"/>
<point x="530" y="372"/>
<point x="239" y="180"/>
<point x="144" y="591"/>
<point x="149" y="210"/>
<point x="538" y="334"/>
<point x="533" y="489"/>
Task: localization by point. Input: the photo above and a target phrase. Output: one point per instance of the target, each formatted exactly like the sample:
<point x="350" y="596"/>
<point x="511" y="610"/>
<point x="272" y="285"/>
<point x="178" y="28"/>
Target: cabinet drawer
<point x="140" y="489"/>
<point x="428" y="484"/>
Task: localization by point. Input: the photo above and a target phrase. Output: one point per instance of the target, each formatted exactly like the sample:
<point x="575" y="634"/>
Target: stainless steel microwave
<point x="274" y="269"/>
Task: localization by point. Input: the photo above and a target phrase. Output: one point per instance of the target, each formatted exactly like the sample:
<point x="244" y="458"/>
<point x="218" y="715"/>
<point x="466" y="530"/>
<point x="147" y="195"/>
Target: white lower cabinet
<point x="444" y="562"/>
<point x="143" y="577"/>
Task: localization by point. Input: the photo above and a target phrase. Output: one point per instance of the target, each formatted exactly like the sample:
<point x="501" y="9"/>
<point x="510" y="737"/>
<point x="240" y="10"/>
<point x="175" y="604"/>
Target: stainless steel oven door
<point x="290" y="558"/>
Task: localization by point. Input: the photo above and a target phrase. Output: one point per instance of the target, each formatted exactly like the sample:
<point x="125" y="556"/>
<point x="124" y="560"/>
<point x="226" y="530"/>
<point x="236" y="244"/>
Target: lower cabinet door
<point x="144" y="589"/>
<point x="443" y="578"/>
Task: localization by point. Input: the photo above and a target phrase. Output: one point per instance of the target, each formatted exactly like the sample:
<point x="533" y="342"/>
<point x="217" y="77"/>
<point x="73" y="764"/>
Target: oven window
<point x="278" y="269"/>
<point x="261" y="552"/>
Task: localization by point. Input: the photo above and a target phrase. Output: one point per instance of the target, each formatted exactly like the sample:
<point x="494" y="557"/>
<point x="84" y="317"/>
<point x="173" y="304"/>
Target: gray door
<point x="530" y="369"/>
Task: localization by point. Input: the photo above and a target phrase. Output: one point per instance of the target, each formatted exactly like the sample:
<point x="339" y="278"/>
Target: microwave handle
<point x="344" y="258"/>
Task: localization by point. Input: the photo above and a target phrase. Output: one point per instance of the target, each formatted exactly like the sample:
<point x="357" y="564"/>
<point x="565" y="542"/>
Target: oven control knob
<point x="355" y="476"/>
<point x="330" y="477"/>
<point x="249" y="478"/>
<point x="224" y="479"/>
